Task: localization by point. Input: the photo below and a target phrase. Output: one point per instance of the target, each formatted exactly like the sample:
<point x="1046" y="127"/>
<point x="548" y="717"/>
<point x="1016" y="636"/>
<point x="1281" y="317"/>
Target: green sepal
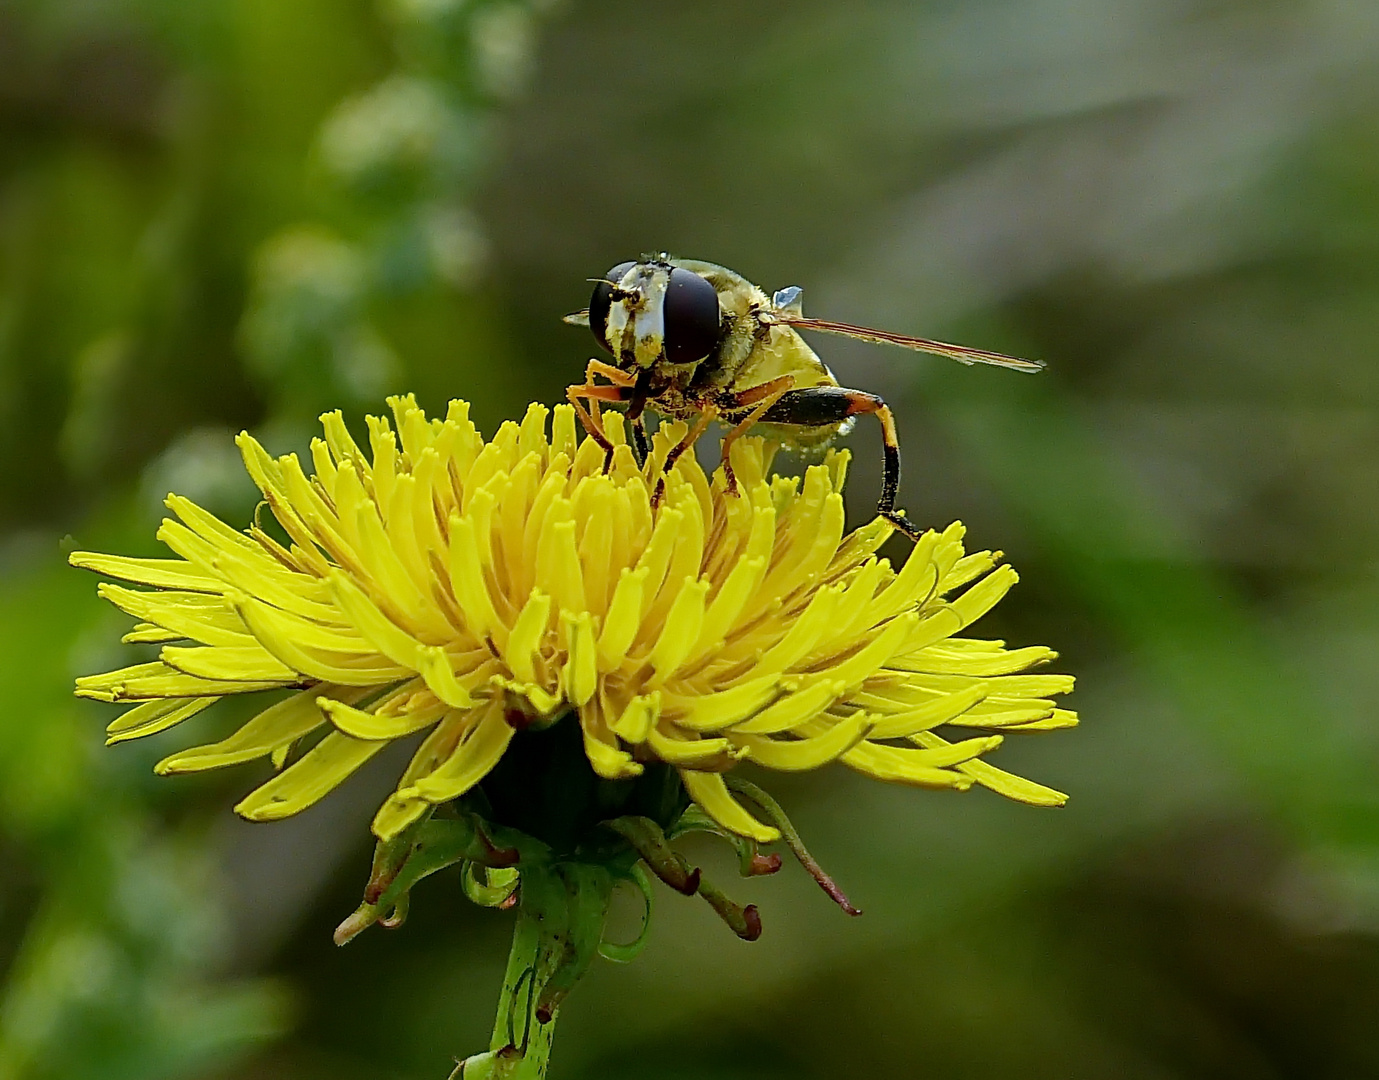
<point x="751" y="862"/>
<point x="670" y="866"/>
<point x="772" y="811"/>
<point x="420" y="851"/>
<point x="650" y="843"/>
<point x="587" y="887"/>
<point x="618" y="952"/>
<point x="495" y="890"/>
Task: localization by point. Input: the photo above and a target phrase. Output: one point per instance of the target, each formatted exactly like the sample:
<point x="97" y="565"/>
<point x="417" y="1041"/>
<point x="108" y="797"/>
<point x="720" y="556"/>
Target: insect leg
<point x="614" y="375"/>
<point x="591" y="420"/>
<point x="641" y="445"/>
<point x="763" y="397"/>
<point x="820" y="406"/>
<point x="706" y="415"/>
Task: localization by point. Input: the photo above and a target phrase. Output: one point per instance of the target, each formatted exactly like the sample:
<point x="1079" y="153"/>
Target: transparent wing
<point x="960" y="353"/>
<point x="577" y="318"/>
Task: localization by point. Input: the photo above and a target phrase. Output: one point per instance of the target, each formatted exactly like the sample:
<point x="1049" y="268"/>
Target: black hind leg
<point x="818" y="406"/>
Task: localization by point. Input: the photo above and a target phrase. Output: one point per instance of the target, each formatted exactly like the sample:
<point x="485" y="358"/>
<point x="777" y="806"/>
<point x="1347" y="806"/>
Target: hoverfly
<point x="698" y="342"/>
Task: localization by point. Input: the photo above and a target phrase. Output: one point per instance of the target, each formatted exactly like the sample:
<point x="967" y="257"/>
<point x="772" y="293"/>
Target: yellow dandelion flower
<point x="468" y="589"/>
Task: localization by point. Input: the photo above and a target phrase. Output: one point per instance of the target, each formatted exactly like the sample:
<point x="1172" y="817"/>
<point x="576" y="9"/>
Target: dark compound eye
<point x="692" y="317"/>
<point x="602" y="300"/>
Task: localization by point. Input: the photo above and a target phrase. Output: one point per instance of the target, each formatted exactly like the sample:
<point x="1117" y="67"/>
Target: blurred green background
<point x="238" y="213"/>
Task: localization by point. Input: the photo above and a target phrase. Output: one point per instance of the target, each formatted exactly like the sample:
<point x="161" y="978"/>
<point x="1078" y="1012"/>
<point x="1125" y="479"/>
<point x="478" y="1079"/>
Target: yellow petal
<point x="949" y="661"/>
<point x="303" y="596"/>
<point x="398" y="812"/>
<point x="793" y="709"/>
<point x="596" y="543"/>
<point x="528" y="636"/>
<point x="581" y="669"/>
<point x="1005" y="719"/>
<point x="362" y="724"/>
<point x="440" y="677"/>
<point x="308" y="779"/>
<point x="158" y="680"/>
<point x="208" y="619"/>
<point x="601" y="747"/>
<point x="655" y="558"/>
<point x="531" y="435"/>
<point x="685" y="560"/>
<point x="383" y="443"/>
<point x="968" y="568"/>
<point x="563" y="431"/>
<point x="339" y="439"/>
<point x="865" y="661"/>
<point x="941" y="710"/>
<point x="527" y="508"/>
<point x="147" y="633"/>
<point x="711" y="793"/>
<point x="861" y="544"/>
<point x="824" y="542"/>
<point x="716" y="711"/>
<point x="902" y="765"/>
<point x="153" y="717"/>
<point x="683" y="623"/>
<point x="1056" y="721"/>
<point x="278" y="726"/>
<point x="855" y="611"/>
<point x="914" y="583"/>
<point x="477" y="753"/>
<point x="558" y="570"/>
<point x="467" y="575"/>
<point x="541" y="700"/>
<point x="623" y="620"/>
<point x="284" y="638"/>
<point x="729" y="604"/>
<point x="210" y="527"/>
<point x="161" y="573"/>
<point x="693" y="752"/>
<point x="242" y="663"/>
<point x="382" y="565"/>
<point x="984" y="595"/>
<point x="385" y="635"/>
<point x="638" y="716"/>
<point x="1000" y="781"/>
<point x="795" y="755"/>
<point x="804" y="633"/>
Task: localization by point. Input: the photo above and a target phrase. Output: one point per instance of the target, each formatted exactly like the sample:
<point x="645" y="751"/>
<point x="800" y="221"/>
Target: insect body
<point x="698" y="342"/>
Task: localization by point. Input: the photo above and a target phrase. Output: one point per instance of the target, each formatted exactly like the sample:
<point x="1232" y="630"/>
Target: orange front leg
<point x="701" y="425"/>
<point x="592" y="421"/>
<point x="763" y="397"/>
<point x="614" y="375"/>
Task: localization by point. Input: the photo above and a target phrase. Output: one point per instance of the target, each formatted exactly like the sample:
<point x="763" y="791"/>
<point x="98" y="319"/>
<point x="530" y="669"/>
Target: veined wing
<point x="960" y="353"/>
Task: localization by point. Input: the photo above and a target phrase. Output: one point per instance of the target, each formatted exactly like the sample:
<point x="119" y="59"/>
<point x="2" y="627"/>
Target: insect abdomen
<point x="824" y="406"/>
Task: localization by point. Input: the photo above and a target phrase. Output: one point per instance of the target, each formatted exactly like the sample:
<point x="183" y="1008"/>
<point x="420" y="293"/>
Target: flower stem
<point x="521" y="1045"/>
<point x="559" y="925"/>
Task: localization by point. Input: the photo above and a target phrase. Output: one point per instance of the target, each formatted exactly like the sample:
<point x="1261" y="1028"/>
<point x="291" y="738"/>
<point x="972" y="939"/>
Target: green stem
<point x="521" y="1045"/>
<point x="559" y="926"/>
